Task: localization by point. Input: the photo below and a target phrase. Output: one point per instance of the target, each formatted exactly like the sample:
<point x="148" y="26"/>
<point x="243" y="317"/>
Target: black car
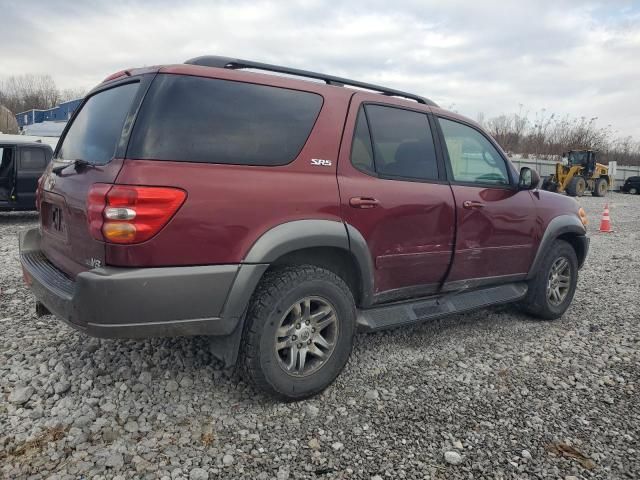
<point x="631" y="185"/>
<point x="21" y="165"/>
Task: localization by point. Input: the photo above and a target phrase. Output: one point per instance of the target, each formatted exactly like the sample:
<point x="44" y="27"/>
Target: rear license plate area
<point x="53" y="219"/>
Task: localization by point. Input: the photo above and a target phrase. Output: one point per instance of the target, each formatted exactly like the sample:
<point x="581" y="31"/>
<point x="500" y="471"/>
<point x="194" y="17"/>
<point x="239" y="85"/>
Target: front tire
<point x="300" y="330"/>
<point x="633" y="190"/>
<point x="577" y="186"/>
<point x="600" y="186"/>
<point x="551" y="291"/>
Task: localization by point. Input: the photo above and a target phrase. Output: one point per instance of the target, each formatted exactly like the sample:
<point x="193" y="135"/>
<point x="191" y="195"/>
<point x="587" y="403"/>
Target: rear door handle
<point x="363" y="202"/>
<point x="470" y="204"/>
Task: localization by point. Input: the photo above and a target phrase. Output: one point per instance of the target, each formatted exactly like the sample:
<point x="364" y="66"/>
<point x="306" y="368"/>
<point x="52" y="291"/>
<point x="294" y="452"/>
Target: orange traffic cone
<point x="605" y="223"/>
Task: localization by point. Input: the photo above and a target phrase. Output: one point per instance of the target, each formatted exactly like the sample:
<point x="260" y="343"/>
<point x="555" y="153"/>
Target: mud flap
<point x="41" y="310"/>
<point x="226" y="348"/>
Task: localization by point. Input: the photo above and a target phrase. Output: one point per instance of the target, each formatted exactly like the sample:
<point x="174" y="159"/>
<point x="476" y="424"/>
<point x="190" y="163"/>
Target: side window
<point x="196" y="119"/>
<point x="400" y="144"/>
<point x="32" y="159"/>
<point x="473" y="158"/>
<point x="361" y="149"/>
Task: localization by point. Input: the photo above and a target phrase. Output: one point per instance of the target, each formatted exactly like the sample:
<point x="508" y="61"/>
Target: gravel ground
<point x="491" y="394"/>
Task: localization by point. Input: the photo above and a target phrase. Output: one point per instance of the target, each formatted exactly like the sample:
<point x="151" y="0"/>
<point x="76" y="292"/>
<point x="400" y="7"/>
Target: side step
<point x="406" y="313"/>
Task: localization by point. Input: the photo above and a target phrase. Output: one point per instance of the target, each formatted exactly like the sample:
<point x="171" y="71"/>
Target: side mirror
<point x="529" y="179"/>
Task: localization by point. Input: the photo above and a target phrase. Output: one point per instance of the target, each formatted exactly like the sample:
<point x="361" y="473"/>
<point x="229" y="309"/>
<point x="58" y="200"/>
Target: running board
<point x="406" y="313"/>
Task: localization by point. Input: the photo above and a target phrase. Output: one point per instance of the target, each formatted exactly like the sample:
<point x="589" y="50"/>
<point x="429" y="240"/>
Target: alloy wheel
<point x="559" y="281"/>
<point x="306" y="336"/>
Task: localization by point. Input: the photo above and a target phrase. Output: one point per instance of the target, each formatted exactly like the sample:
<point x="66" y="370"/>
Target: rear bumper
<point x="141" y="302"/>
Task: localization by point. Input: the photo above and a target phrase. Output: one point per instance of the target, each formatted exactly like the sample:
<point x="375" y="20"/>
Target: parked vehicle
<point x="582" y="173"/>
<point x="21" y="164"/>
<point x="631" y="185"/>
<point x="280" y="215"/>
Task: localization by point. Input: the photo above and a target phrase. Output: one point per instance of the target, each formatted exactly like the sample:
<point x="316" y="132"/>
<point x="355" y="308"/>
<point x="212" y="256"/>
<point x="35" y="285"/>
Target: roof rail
<point x="236" y="64"/>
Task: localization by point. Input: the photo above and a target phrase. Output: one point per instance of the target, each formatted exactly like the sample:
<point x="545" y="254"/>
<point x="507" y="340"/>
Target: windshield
<point x="96" y="130"/>
<point x="577" y="158"/>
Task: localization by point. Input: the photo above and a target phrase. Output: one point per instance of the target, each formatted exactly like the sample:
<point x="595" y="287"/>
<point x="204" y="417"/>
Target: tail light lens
<point x="129" y="214"/>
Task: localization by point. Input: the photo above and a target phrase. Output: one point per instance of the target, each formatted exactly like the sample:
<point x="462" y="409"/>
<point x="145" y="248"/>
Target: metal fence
<point x="548" y="167"/>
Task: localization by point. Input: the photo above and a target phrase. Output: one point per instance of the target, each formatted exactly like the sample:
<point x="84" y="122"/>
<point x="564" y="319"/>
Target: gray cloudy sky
<point x="570" y="57"/>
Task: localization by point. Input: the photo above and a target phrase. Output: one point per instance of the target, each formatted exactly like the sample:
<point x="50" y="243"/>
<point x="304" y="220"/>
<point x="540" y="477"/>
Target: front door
<point x="393" y="190"/>
<point x="495" y="221"/>
<point x="6" y="172"/>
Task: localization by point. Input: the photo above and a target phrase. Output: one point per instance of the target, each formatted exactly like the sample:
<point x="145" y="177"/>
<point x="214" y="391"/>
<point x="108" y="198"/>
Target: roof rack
<point x="236" y="64"/>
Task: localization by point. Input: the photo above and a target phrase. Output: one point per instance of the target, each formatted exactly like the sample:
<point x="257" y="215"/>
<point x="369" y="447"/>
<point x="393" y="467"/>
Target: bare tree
<point x="71" y="94"/>
<point x="549" y="135"/>
<point x="26" y="92"/>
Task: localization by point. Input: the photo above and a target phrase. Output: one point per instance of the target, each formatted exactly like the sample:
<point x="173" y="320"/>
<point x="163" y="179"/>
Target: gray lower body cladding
<point x="141" y="302"/>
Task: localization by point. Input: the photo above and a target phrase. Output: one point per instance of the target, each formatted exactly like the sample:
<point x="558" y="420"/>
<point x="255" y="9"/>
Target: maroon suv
<point x="279" y="215"/>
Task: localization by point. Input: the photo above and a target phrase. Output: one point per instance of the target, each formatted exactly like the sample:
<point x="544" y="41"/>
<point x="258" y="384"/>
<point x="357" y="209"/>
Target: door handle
<point x="470" y="204"/>
<point x="363" y="202"/>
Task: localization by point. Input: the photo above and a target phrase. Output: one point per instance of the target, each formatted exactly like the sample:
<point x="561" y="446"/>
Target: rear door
<point x="496" y="222"/>
<point x="30" y="166"/>
<point x="98" y="135"/>
<point x="393" y="191"/>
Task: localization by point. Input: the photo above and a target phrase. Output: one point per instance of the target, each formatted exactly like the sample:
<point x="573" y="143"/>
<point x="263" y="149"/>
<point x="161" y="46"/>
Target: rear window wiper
<point x="77" y="163"/>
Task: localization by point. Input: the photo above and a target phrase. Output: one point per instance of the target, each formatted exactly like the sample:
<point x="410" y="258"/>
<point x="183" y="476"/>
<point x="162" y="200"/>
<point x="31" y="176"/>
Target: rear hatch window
<point x="94" y="137"/>
<point x="96" y="130"/>
<point x="195" y="119"/>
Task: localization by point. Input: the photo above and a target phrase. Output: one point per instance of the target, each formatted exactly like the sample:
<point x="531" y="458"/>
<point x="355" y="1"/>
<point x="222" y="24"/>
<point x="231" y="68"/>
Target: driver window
<point x="473" y="158"/>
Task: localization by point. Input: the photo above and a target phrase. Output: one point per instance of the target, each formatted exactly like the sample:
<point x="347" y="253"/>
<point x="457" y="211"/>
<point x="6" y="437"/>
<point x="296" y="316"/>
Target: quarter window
<point x="397" y="143"/>
<point x="472" y="157"/>
<point x="195" y="119"/>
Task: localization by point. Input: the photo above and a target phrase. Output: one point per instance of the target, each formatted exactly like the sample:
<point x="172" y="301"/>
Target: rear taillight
<point x="96" y="201"/>
<point x="129" y="214"/>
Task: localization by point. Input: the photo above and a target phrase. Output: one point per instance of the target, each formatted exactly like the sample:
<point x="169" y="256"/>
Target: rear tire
<point x="290" y="329"/>
<point x="576" y="186"/>
<point x="551" y="290"/>
<point x="600" y="186"/>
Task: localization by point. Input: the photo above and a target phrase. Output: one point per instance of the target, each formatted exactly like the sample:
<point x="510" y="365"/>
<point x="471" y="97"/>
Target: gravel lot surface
<point x="491" y="394"/>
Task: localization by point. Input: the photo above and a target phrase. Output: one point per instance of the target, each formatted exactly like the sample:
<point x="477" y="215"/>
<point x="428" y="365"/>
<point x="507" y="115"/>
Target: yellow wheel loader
<point x="581" y="174"/>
